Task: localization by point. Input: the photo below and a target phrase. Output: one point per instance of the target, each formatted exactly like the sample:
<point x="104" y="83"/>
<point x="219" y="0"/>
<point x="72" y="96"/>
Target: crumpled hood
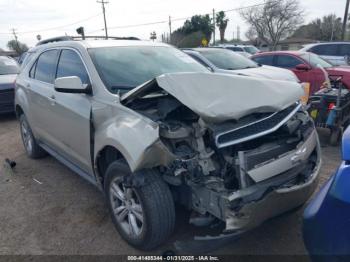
<point x="221" y="97"/>
<point x="269" y="72"/>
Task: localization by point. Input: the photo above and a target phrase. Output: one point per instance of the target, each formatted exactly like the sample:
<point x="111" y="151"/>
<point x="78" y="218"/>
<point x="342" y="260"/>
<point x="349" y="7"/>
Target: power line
<point x="176" y="19"/>
<point x="127" y="26"/>
<point x="58" y="27"/>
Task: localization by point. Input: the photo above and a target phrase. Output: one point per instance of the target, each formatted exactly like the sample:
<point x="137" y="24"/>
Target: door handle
<point x="52" y="98"/>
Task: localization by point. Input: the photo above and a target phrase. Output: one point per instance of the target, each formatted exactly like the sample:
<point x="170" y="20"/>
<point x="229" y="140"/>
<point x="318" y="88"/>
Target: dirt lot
<point x="47" y="209"/>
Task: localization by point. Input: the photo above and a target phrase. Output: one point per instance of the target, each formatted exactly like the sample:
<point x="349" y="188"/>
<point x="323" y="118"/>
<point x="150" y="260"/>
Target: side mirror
<point x="302" y="67"/>
<point x="71" y="84"/>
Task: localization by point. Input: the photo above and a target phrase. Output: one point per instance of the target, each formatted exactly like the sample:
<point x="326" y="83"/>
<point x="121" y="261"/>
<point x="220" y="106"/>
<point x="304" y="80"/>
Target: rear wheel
<point x="30" y="145"/>
<point x="336" y="135"/>
<point x="144" y="215"/>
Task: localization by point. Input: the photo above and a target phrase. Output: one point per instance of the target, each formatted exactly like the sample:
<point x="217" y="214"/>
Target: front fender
<point x="133" y="135"/>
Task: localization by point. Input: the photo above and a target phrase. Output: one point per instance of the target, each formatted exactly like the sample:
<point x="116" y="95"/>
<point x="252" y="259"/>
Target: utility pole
<point x="345" y="19"/>
<point x="15" y="36"/>
<point x="170" y="29"/>
<point x="238" y="33"/>
<point x="103" y="2"/>
<point x="214" y="26"/>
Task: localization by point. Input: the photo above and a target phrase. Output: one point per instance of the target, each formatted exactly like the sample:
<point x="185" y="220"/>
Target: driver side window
<point x="70" y="64"/>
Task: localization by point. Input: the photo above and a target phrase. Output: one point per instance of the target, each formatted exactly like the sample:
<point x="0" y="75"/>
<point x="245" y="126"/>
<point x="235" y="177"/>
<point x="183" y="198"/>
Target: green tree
<point x="221" y="22"/>
<point x="17" y="46"/>
<point x="327" y="28"/>
<point x="197" y="23"/>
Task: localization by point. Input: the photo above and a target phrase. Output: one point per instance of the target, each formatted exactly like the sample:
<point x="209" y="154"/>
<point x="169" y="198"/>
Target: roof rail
<point x="71" y="38"/>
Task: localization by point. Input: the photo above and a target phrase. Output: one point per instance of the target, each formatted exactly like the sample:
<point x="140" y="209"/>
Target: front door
<point x="70" y="114"/>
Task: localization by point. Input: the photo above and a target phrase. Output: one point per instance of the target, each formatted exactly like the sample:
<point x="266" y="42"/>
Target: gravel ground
<point x="47" y="209"/>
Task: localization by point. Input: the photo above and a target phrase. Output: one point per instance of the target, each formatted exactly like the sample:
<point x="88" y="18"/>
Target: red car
<point x="305" y="66"/>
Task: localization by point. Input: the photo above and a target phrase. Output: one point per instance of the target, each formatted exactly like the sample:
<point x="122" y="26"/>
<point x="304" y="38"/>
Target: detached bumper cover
<point x="7" y="100"/>
<point x="273" y="202"/>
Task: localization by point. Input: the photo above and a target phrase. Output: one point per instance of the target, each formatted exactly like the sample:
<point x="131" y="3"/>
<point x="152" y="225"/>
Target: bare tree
<point x="251" y="34"/>
<point x="274" y="20"/>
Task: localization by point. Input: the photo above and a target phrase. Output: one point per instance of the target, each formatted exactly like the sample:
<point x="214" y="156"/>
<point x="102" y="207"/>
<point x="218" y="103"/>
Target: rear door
<point x="40" y="90"/>
<point x="70" y="114"/>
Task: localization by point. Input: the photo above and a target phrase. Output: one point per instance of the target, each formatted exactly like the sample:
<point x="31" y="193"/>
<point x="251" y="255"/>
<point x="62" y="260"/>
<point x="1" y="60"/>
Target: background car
<point x="224" y="61"/>
<point x="8" y="73"/>
<point x="250" y="49"/>
<point x="326" y="227"/>
<point x="337" y="53"/>
<point x="305" y="66"/>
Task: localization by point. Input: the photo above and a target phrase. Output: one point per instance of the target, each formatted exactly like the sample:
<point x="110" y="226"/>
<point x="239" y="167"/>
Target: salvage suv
<point x="150" y="126"/>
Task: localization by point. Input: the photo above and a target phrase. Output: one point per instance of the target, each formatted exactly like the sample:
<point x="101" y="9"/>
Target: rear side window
<point x="198" y="59"/>
<point x="329" y="49"/>
<point x="287" y="61"/>
<point x="264" y="60"/>
<point x="46" y="66"/>
<point x="344" y="50"/>
<point x="70" y="64"/>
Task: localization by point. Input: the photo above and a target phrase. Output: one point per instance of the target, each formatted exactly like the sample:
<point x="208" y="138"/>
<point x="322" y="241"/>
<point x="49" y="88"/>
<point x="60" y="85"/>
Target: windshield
<point x="225" y="59"/>
<point x="251" y="49"/>
<point x="8" y="66"/>
<point x="123" y="68"/>
<point x="314" y="60"/>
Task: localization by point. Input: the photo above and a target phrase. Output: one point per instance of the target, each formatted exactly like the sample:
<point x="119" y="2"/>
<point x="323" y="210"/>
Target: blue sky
<point x="53" y="18"/>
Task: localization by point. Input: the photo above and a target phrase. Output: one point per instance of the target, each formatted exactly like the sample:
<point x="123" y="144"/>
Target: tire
<point x="32" y="148"/>
<point x="154" y="198"/>
<point x="336" y="135"/>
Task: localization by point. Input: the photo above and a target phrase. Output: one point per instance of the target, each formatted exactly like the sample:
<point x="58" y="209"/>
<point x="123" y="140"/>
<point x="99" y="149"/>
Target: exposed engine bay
<point x="220" y="168"/>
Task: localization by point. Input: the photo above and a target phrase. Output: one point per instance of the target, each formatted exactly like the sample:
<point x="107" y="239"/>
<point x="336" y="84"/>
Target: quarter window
<point x="70" y="64"/>
<point x="329" y="49"/>
<point x="264" y="60"/>
<point x="287" y="61"/>
<point x="46" y="66"/>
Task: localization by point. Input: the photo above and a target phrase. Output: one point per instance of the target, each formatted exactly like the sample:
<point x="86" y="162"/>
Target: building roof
<point x="296" y="40"/>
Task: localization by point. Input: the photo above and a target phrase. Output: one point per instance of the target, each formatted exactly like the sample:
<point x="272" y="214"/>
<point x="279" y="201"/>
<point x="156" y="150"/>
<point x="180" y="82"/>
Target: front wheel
<point x="144" y="215"/>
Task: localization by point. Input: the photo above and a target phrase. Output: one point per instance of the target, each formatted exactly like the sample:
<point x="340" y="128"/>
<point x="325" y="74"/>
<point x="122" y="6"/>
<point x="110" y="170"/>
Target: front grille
<point x="256" y="129"/>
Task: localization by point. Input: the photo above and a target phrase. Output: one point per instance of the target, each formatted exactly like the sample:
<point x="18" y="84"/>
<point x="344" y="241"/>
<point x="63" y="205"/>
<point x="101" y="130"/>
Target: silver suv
<point x="150" y="126"/>
<point x="338" y="53"/>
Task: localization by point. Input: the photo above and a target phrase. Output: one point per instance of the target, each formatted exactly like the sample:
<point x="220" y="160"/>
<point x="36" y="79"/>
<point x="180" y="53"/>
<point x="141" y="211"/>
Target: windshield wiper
<point x="117" y="88"/>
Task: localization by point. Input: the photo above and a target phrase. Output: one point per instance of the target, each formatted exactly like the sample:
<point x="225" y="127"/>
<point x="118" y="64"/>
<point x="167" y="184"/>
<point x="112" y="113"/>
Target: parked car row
<point x="8" y="73"/>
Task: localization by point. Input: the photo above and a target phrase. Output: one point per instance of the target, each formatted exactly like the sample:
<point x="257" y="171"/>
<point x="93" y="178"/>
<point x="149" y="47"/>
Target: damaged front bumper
<point x="274" y="203"/>
<point x="288" y="182"/>
<point x="274" y="200"/>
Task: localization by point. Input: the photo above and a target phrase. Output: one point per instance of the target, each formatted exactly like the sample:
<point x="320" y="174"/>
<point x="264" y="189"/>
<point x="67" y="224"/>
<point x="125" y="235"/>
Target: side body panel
<point x="136" y="137"/>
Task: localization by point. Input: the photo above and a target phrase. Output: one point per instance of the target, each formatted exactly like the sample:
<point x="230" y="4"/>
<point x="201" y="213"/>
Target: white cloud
<point x="32" y="15"/>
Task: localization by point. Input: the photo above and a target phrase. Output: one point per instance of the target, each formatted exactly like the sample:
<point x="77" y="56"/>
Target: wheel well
<point x="106" y="156"/>
<point x="19" y="111"/>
